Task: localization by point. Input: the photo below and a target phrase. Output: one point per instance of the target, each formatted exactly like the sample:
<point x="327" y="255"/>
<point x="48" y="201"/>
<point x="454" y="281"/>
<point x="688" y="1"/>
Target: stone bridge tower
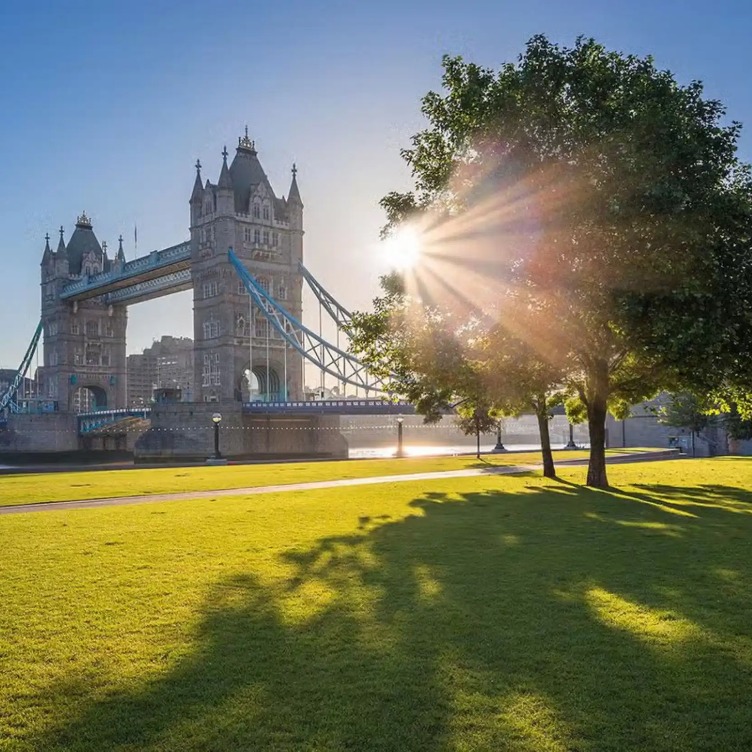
<point x="237" y="355"/>
<point x="84" y="342"/>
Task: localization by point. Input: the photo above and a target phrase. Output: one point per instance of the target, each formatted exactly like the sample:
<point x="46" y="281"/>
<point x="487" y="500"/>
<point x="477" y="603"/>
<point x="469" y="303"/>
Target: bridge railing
<point x="335" y="407"/>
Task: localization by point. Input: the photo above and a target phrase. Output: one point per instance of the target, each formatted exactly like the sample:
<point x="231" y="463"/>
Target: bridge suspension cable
<point x="12" y="389"/>
<point x="343" y="366"/>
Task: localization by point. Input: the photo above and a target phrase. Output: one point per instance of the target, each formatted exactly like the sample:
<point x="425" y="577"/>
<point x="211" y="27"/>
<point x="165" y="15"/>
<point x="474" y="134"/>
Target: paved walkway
<point x="48" y="506"/>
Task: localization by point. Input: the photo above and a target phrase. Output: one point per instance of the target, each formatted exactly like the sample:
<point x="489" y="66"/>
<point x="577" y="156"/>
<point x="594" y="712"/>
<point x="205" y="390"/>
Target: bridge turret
<point x="197" y="196"/>
<point x="295" y="214"/>
<point x="120" y="258"/>
<point x="61" y="268"/>
<point x="225" y="193"/>
<point x="48" y="256"/>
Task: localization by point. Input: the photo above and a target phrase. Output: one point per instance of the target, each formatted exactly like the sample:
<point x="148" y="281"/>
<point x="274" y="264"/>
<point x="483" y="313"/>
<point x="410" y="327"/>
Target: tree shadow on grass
<point x="551" y="619"/>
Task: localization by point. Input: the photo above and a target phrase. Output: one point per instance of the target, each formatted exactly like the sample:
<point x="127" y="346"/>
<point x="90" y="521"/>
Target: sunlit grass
<point x="29" y="488"/>
<point x="491" y="613"/>
<point x="36" y="487"/>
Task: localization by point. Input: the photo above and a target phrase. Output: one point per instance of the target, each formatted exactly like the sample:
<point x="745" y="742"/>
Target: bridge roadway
<point x="159" y="273"/>
<point x="93" y="421"/>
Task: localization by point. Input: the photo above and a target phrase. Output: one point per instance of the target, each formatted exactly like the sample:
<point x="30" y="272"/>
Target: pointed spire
<point x="47" y="255"/>
<point x="104" y="249"/>
<point x="225" y="181"/>
<point x="293" y="196"/>
<point x="198" y="190"/>
<point x="121" y="253"/>
<point x="61" y="244"/>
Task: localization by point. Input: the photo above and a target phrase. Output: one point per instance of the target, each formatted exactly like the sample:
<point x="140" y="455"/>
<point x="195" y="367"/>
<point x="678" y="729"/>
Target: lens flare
<point x="402" y="249"/>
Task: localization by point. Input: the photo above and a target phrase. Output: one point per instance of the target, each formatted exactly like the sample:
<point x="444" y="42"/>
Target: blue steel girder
<point x="336" y="310"/>
<point x="344" y="366"/>
<point x="152" y="288"/>
<point x="157" y="264"/>
<point x="12" y="389"/>
<point x="93" y="421"/>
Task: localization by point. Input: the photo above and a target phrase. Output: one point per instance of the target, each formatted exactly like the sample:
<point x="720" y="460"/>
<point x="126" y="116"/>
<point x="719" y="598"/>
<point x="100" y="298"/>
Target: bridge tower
<point x="84" y="342"/>
<point x="237" y="353"/>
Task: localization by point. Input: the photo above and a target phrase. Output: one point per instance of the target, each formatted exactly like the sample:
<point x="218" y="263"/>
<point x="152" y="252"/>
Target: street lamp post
<point x="216" y="419"/>
<point x="571" y="444"/>
<point x="499" y="445"/>
<point x="400" y="448"/>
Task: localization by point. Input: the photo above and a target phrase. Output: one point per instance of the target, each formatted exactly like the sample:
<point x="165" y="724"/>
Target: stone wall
<point x="53" y="432"/>
<point x="185" y="431"/>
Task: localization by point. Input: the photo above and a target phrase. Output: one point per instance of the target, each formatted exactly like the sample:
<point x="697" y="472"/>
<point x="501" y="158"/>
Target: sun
<point x="402" y="249"/>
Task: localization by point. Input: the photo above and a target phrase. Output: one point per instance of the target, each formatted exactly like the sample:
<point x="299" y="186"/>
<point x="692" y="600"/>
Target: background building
<point x="167" y="363"/>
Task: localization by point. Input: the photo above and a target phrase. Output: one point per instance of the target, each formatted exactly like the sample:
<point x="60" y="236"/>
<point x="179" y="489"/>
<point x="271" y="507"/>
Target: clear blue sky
<point x="107" y="105"/>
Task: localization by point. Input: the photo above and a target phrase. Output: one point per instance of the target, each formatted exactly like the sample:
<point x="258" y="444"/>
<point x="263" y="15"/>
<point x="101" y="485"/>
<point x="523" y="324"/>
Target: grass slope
<point x="506" y="613"/>
<point x="36" y="487"/>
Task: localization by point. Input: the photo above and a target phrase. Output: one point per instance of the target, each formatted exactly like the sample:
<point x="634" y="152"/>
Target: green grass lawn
<point x="490" y="613"/>
<point x="36" y="487"/>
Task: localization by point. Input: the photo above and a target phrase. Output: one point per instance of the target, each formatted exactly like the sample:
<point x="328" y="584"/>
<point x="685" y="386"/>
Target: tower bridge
<point x="244" y="263"/>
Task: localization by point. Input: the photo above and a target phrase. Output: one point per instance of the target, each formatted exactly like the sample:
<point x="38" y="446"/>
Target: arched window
<point x="266" y="212"/>
<point x="256" y="211"/>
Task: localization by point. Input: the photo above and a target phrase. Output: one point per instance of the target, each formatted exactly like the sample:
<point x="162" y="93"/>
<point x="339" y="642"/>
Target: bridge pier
<point x="185" y="432"/>
<point x="39" y="434"/>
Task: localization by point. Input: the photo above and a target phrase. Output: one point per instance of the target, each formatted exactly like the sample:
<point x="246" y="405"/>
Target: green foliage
<point x="738" y="428"/>
<point x="475" y="419"/>
<point x="606" y="206"/>
<point x="686" y="410"/>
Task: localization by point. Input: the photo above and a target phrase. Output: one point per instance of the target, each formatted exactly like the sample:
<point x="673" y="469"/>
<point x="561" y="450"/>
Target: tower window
<point x="210" y="289"/>
<point x="266" y="237"/>
<point x="266" y="212"/>
<point x="211" y="329"/>
<point x="247" y="234"/>
<point x="257" y="236"/>
<point x="256" y="211"/>
<point x="274" y="239"/>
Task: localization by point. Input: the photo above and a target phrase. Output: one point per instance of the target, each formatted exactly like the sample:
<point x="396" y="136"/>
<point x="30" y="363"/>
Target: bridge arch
<point x="257" y="385"/>
<point x="87" y="397"/>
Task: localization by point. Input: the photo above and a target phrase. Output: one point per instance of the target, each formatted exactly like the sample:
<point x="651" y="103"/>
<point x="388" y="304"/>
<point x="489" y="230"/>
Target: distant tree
<point x="687" y="411"/>
<point x="601" y="207"/>
<point x="474" y="419"/>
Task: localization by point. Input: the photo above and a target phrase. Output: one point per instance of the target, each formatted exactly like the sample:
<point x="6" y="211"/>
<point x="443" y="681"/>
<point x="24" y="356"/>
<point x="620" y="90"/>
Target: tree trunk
<point x="596" y="476"/>
<point x="549" y="471"/>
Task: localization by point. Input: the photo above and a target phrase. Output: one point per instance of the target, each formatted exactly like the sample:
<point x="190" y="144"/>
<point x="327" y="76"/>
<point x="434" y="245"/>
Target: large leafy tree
<point x="442" y="361"/>
<point x="599" y="209"/>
